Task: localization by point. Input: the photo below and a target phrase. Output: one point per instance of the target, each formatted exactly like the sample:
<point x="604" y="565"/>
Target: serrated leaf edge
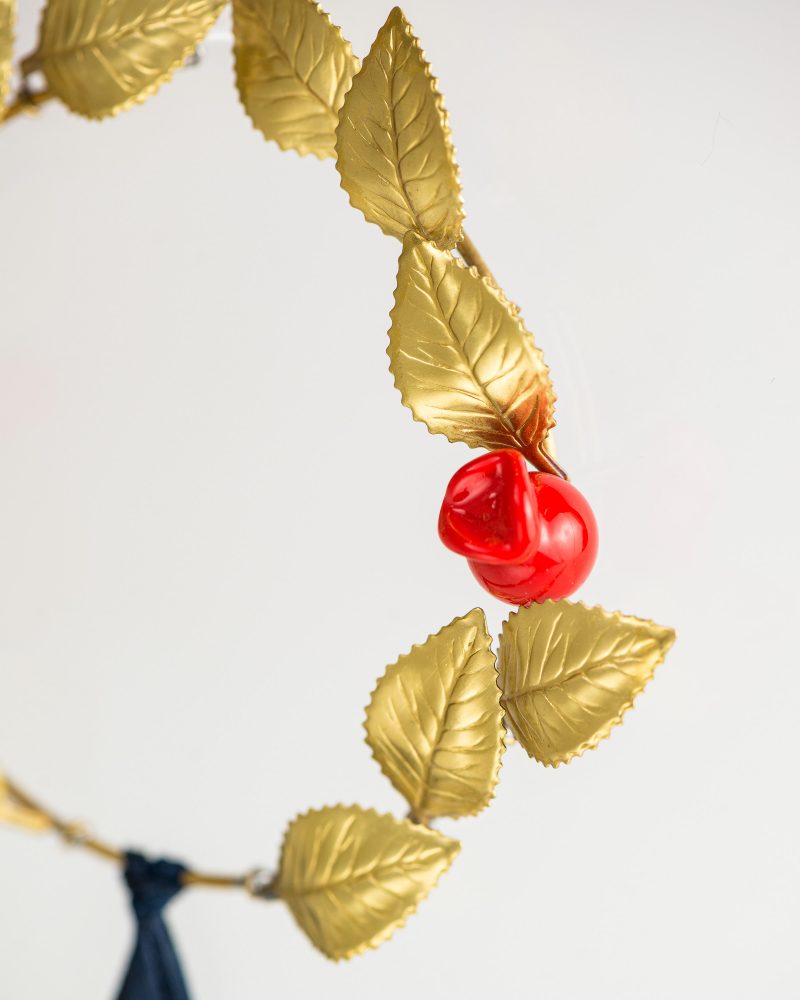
<point x="453" y="847"/>
<point x="612" y="724"/>
<point x="503" y="745"/>
<point x="35" y="62"/>
<point x="286" y="148"/>
<point x="444" y="118"/>
<point x="514" y="312"/>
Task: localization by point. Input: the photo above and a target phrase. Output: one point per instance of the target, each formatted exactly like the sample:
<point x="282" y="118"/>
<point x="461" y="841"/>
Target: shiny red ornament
<point x="565" y="554"/>
<point x="489" y="512"/>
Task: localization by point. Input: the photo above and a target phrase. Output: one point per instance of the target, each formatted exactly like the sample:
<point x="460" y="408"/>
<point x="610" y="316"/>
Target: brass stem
<point x="473" y="258"/>
<point x="545" y="462"/>
<point x="25" y="102"/>
<point x="75" y="835"/>
<point x="215" y="881"/>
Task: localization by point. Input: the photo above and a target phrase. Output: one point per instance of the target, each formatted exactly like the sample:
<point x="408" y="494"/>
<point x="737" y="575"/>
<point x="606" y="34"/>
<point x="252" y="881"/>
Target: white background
<point x="217" y="522"/>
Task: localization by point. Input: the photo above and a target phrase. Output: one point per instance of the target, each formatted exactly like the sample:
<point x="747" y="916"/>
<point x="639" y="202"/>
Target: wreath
<point x="465" y="365"/>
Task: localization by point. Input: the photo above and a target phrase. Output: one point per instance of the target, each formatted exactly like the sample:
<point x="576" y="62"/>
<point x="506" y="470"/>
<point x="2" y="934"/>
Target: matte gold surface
<point x="568" y="674"/>
<point x="102" y="56"/>
<point x="435" y="725"/>
<point x="463" y="361"/>
<point x="351" y="877"/>
<point x="293" y="68"/>
<point x="393" y="143"/>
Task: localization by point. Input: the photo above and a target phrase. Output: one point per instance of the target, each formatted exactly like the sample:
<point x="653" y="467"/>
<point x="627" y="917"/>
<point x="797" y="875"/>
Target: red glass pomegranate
<point x="528" y="536"/>
<point x="489" y="511"/>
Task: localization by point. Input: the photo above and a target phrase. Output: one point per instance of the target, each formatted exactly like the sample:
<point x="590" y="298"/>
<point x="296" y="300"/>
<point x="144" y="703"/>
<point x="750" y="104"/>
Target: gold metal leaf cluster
<point x="461" y="357"/>
<point x="351" y="877"/>
<point x="464" y="364"/>
<point x="569" y="673"/>
<point x="101" y="57"/>
<point x="435" y="725"/>
<point x="293" y="68"/>
<point x="393" y="147"/>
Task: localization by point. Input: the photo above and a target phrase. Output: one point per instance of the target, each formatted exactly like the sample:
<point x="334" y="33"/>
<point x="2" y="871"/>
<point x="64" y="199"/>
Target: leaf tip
<point x="396" y="16"/>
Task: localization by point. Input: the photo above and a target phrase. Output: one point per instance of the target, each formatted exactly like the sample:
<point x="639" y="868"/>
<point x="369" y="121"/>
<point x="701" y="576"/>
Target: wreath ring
<point x="467" y="367"/>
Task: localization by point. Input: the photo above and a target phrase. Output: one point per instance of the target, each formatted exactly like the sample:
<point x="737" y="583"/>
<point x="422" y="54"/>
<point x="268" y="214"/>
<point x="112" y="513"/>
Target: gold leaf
<point x="435" y="724"/>
<point x="7" y="12"/>
<point x="461" y="357"/>
<point x="568" y="674"/>
<point x="16" y="814"/>
<point x="351" y="877"/>
<point x="293" y="68"/>
<point x="103" y="56"/>
<point x="393" y="142"/>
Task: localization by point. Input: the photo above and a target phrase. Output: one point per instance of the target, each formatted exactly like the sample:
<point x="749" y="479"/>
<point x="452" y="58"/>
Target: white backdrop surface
<point x="217" y="522"/>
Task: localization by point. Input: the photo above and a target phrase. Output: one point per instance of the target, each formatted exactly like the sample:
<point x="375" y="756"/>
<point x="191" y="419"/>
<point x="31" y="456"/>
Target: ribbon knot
<point x="154" y="972"/>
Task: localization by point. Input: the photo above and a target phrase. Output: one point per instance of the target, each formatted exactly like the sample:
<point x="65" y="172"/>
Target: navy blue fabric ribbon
<point x="154" y="972"/>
